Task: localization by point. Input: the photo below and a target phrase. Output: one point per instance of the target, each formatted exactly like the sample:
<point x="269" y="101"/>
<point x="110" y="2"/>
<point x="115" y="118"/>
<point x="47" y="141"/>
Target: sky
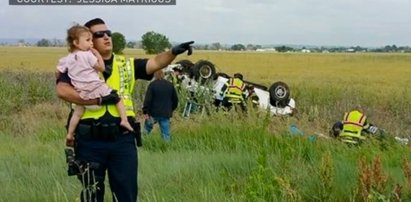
<point x="369" y="23"/>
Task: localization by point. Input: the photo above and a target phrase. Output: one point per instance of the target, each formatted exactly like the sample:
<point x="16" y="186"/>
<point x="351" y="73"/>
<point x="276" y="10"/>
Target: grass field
<point x="224" y="158"/>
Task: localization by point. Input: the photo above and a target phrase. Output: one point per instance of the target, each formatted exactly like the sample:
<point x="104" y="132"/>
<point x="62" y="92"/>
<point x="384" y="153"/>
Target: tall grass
<point x="228" y="157"/>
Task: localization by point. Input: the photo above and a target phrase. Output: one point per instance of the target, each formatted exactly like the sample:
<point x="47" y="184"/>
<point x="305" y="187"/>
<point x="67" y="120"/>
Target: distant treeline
<point x="240" y="47"/>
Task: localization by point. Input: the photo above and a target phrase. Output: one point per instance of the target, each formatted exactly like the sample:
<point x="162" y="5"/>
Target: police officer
<point x="101" y="144"/>
<point x="234" y="92"/>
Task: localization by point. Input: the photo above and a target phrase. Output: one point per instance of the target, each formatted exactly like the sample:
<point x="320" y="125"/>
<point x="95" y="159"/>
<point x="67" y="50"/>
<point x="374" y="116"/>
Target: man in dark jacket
<point x="159" y="103"/>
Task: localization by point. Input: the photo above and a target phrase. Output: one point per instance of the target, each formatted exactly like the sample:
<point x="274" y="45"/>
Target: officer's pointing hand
<point x="181" y="48"/>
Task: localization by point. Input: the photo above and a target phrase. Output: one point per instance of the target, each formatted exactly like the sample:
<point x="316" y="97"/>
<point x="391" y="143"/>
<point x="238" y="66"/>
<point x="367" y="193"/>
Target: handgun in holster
<point x="137" y="133"/>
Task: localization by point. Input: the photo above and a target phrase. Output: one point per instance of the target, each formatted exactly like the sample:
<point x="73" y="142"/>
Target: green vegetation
<point x="119" y="42"/>
<point x="223" y="157"/>
<point x="154" y="42"/>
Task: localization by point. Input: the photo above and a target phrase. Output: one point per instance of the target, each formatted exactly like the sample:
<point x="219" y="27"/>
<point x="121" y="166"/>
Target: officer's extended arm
<point x="163" y="59"/>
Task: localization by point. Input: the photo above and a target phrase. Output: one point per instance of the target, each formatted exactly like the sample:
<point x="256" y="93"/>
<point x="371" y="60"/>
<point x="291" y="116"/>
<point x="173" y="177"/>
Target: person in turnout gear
<point x="352" y="128"/>
<point x="234" y="92"/>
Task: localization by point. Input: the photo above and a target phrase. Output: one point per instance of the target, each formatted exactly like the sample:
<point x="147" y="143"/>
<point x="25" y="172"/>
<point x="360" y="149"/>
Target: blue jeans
<point x="164" y="124"/>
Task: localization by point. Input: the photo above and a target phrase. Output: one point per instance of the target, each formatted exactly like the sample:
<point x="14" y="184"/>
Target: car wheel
<point x="204" y="71"/>
<point x="187" y="65"/>
<point x="279" y="94"/>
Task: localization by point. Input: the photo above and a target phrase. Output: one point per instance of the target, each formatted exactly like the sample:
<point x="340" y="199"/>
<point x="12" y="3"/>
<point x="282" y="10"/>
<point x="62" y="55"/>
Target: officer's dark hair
<point x="238" y="75"/>
<point x="95" y="21"/>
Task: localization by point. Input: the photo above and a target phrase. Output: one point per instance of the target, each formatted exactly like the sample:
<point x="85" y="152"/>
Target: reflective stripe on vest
<point x="235" y="88"/>
<point x="353" y="125"/>
<point x="121" y="79"/>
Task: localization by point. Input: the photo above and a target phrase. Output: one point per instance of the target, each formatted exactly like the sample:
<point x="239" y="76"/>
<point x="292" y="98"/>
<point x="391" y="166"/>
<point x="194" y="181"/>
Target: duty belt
<point x="95" y="130"/>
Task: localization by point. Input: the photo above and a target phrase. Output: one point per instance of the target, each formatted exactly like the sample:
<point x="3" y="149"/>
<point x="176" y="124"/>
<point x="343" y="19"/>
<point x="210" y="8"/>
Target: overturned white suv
<point x="202" y="76"/>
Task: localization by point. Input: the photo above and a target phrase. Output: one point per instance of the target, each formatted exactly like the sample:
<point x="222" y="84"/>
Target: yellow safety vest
<point x="121" y="79"/>
<point x="354" y="123"/>
<point x="235" y="89"/>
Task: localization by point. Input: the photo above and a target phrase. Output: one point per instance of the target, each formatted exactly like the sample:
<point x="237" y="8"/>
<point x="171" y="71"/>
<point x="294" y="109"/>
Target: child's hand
<point x="70" y="140"/>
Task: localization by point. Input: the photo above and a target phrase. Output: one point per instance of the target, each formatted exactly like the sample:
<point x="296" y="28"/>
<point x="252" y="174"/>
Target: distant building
<point x="350" y="50"/>
<point x="304" y="50"/>
<point x="265" y="49"/>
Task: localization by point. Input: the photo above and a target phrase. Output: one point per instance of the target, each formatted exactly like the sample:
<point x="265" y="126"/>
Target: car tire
<point x="187" y="66"/>
<point x="279" y="94"/>
<point x="204" y="71"/>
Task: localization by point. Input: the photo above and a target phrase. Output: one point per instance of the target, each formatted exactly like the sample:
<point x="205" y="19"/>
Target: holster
<point x="137" y="132"/>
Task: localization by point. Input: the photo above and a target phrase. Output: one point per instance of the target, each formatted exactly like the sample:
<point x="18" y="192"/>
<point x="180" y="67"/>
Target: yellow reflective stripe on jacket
<point x="121" y="79"/>
<point x="352" y="140"/>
